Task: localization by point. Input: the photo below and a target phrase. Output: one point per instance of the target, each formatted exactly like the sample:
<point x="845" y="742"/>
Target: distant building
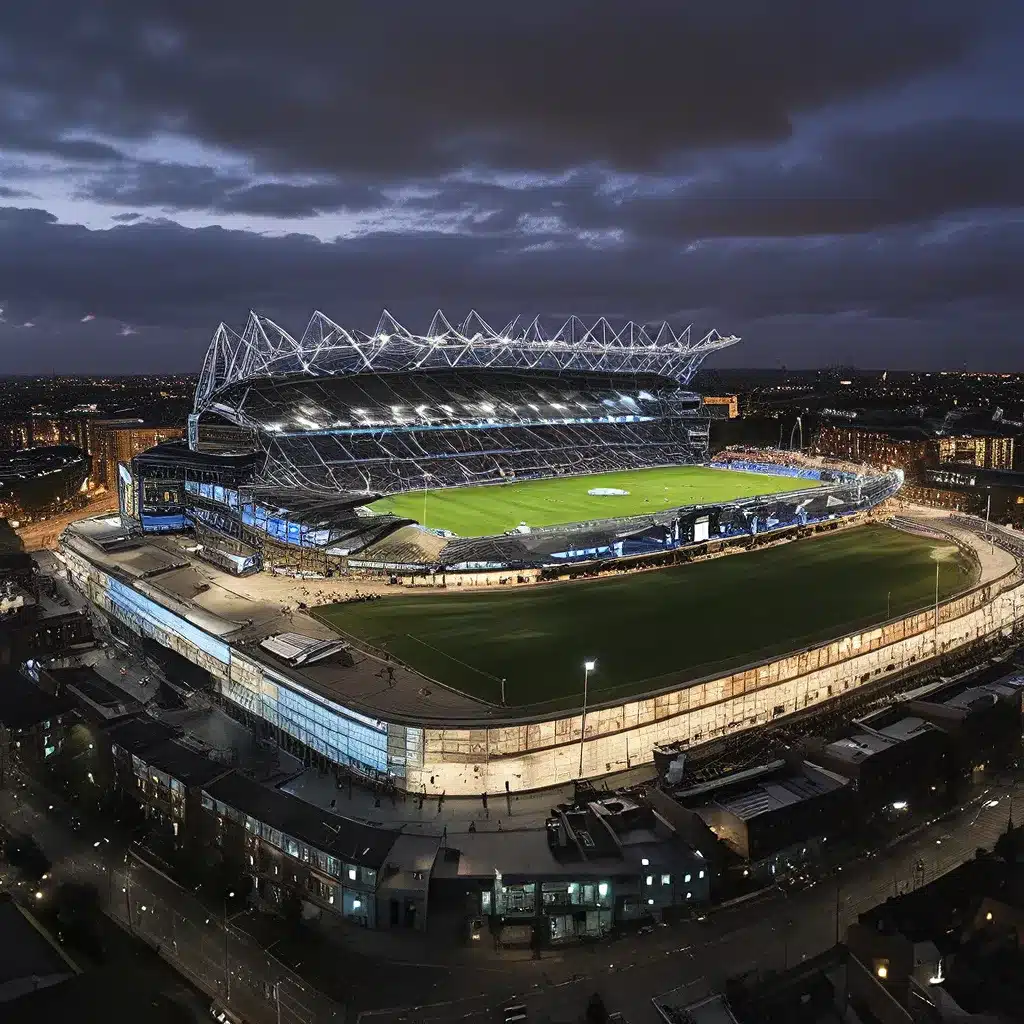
<point x="909" y="448"/>
<point x="727" y="406"/>
<point x="997" y="493"/>
<point x="114" y="441"/>
<point x="984" y="452"/>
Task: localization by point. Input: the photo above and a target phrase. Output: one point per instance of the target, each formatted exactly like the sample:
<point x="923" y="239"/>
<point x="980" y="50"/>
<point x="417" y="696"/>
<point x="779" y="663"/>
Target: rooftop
<point x="327" y="832"/>
<point x="245" y="611"/>
<point x="140" y="733"/>
<point x="184" y="764"/>
<point x="763" y="789"/>
<point x="23" y="704"/>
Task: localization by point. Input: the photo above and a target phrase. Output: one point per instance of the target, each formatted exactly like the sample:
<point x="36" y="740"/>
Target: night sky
<point x="838" y="181"/>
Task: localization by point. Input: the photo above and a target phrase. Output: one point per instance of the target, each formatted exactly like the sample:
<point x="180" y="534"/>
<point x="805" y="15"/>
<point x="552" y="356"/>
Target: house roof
<point x="330" y="833"/>
<point x="23" y="704"/>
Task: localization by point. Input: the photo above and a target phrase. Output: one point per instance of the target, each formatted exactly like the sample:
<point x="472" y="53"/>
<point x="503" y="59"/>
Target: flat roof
<point x="93" y="686"/>
<point x="331" y="833"/>
<point x="859" y="746"/>
<point x="516" y="852"/>
<point x="176" y="759"/>
<point x="247" y="610"/>
<point x="776" y="794"/>
<point x="23" y="704"/>
<point x="906" y="728"/>
<point x="139" y="734"/>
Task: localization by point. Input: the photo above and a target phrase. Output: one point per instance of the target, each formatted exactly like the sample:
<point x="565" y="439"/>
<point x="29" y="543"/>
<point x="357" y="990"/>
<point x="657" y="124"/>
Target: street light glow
<point x="589" y="666"/>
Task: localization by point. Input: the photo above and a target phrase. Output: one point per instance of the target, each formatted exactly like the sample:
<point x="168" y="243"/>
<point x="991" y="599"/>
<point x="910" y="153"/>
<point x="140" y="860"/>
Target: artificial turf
<point x="650" y="629"/>
<point x="496" y="508"/>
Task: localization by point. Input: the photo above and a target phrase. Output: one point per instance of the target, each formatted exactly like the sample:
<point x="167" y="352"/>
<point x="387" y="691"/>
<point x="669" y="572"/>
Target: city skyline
<point x="837" y="186"/>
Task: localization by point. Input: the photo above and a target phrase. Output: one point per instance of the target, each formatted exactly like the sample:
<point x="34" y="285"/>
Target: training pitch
<point x="497" y="508"/>
<point x="650" y="629"/>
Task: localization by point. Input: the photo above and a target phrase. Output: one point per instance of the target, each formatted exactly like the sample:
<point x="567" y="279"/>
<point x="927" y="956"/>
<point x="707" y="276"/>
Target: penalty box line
<point x="450" y="657"/>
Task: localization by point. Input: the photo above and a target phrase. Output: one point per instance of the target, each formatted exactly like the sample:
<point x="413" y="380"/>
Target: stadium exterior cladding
<point x="473" y="752"/>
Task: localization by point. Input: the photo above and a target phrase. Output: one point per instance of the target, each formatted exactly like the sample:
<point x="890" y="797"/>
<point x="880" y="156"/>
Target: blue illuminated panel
<point x="153" y="615"/>
<point x="163" y="524"/>
<point x="343" y="738"/>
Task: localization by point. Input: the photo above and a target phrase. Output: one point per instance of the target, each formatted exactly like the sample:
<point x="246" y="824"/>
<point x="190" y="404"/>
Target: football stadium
<point x="473" y="559"/>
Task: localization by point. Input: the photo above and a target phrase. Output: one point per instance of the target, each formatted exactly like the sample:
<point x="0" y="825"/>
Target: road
<point x="45" y="533"/>
<point x="201" y="945"/>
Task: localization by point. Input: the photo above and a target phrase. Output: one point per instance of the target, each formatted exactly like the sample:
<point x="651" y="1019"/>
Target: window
<point x="650" y="879"/>
<point x="700" y="874"/>
<point x="686" y="878"/>
<point x="667" y="879"/>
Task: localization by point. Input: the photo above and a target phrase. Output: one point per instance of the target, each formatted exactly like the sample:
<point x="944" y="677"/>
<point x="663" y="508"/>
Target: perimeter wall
<point x="537" y="754"/>
<point x="531" y="754"/>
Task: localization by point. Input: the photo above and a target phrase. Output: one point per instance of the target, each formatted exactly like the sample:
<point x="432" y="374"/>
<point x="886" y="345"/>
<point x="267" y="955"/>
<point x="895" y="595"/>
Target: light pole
<point x="588" y="667"/>
<point x="936" y="607"/>
<point x="227" y="960"/>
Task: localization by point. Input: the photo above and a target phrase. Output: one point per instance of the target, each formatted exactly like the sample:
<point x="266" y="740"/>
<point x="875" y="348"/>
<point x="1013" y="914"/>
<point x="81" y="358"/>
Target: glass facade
<point x="154" y="618"/>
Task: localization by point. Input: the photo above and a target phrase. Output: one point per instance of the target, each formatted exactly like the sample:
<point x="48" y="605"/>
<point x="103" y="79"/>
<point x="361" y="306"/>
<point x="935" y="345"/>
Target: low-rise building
<point x="893" y="758"/>
<point x="294" y="850"/>
<point x="770" y="817"/>
<point x="982" y="719"/>
<point x="33" y="723"/>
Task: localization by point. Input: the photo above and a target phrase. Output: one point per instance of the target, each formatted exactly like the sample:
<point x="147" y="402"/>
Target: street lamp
<point x="588" y="667"/>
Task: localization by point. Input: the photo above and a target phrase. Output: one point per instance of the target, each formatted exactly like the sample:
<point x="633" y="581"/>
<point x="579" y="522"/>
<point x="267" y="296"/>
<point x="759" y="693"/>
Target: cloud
<point x="406" y="88"/>
<point x="177" y="187"/>
<point x="857" y="181"/>
<point x="186" y="280"/>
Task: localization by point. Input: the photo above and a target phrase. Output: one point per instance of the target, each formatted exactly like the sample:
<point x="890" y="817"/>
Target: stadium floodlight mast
<point x="588" y="666"/>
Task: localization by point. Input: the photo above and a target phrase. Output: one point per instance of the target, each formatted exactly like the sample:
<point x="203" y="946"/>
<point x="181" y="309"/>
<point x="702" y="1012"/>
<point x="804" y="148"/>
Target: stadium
<point x="472" y="559"/>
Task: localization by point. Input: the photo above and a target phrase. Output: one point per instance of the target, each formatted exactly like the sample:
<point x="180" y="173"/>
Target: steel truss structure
<point x="264" y="349"/>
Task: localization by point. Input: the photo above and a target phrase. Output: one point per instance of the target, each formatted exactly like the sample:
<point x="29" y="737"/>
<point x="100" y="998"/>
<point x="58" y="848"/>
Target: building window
<point x="700" y="874"/>
<point x="650" y="879"/>
<point x="687" y="878"/>
<point x="667" y="879"/>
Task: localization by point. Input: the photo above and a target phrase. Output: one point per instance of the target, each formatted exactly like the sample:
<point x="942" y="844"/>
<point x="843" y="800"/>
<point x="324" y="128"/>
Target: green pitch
<point x="649" y="629"/>
<point x="483" y="511"/>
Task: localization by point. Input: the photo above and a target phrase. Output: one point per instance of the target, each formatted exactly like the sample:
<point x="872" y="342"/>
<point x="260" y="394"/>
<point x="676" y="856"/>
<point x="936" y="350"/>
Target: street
<point x="769" y="931"/>
<point x="219" y="959"/>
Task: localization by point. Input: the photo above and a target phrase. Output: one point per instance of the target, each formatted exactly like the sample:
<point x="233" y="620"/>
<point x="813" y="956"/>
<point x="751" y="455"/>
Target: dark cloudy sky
<point x="834" y="180"/>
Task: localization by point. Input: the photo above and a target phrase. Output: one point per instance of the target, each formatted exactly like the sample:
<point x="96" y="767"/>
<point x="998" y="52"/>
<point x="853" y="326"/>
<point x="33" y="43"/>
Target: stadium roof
<point x="264" y="349"/>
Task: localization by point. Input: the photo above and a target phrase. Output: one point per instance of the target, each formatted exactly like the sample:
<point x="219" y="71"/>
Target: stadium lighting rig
<point x="265" y="349"/>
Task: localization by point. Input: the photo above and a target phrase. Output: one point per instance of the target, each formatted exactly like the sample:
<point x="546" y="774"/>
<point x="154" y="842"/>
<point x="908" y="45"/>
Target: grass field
<point x="646" y="628"/>
<point x="482" y="511"/>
